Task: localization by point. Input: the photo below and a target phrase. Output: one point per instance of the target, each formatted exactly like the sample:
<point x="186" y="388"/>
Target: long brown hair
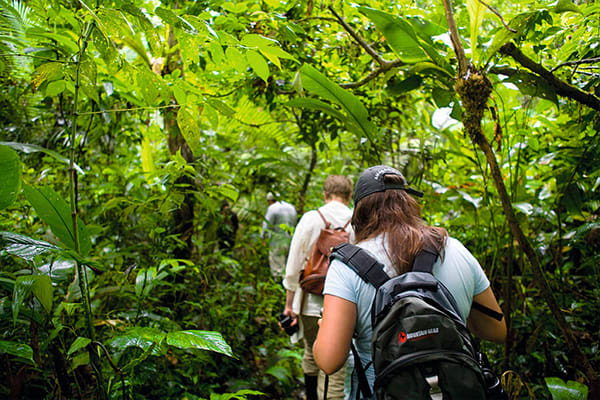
<point x="397" y="215"/>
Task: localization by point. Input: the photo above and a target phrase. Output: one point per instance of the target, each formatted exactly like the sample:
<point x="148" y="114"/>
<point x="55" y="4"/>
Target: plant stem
<point x="83" y="285"/>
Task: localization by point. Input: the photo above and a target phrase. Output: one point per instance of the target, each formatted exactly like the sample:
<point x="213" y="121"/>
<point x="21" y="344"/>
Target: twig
<point x="373" y="74"/>
<point x="562" y="88"/>
<point x="37" y="57"/>
<point x="113" y="366"/>
<point x="493" y="10"/>
<point x="359" y="39"/>
<point x="384" y="65"/>
<point x="578" y="62"/>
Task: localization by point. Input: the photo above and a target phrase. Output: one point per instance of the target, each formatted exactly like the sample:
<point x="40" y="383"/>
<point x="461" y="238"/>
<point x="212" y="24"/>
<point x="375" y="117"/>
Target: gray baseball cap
<point x="371" y="181"/>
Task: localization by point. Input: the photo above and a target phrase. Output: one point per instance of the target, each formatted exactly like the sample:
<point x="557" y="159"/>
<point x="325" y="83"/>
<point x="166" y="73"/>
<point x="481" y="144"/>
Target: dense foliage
<point x="125" y="124"/>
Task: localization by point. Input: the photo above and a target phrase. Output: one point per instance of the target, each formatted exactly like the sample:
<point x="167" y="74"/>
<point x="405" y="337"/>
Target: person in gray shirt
<point x="278" y="213"/>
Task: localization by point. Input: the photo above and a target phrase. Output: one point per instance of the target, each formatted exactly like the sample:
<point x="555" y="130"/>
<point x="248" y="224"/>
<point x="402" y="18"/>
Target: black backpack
<point x="419" y="340"/>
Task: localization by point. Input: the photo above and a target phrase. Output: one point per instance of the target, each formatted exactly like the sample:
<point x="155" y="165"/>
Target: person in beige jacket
<point x="305" y="308"/>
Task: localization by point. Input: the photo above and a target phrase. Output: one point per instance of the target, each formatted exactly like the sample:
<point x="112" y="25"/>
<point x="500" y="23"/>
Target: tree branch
<point x="384" y="65"/>
<point x="463" y="63"/>
<point x="358" y="39"/>
<point x="373" y="74"/>
<point x="578" y="62"/>
<point x="562" y="88"/>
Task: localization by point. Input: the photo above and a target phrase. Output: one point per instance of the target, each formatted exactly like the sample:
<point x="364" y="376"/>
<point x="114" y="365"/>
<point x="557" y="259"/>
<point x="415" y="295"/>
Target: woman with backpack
<point x="387" y="223"/>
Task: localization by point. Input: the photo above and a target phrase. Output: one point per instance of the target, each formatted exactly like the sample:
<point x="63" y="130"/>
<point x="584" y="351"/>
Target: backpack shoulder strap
<point x="366" y="267"/>
<point x="327" y="223"/>
<point x="424" y="260"/>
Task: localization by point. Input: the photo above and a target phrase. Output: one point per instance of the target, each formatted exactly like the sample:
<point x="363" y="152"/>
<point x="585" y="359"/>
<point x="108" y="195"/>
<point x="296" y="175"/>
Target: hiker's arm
<point x="299" y="251"/>
<point x="484" y="326"/>
<point x="288" y="310"/>
<point x="335" y="334"/>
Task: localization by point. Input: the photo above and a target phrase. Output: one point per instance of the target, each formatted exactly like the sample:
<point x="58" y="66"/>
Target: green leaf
<point x="39" y="285"/>
<point x="476" y="12"/>
<point x="190" y="130"/>
<point x="399" y="34"/>
<point x="406" y="85"/>
<point x="202" y="340"/>
<point x="258" y="64"/>
<point x="56" y="213"/>
<point x="10" y="176"/>
<point x="144" y="281"/>
<point x="144" y="338"/>
<point x="221" y="107"/>
<point x="55" y="88"/>
<point x="239" y="395"/>
<point x="20" y="350"/>
<point x="564" y="6"/>
<point x="318" y="105"/>
<point x="237" y="60"/>
<point x="566" y="391"/>
<point x="78" y="344"/>
<point x="33" y="148"/>
<point x="43" y="291"/>
<point x="358" y="118"/>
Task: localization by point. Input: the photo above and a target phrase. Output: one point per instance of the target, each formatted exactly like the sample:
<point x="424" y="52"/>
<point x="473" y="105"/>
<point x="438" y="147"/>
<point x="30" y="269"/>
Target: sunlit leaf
<point x="564" y="6"/>
<point x="258" y="64"/>
<point x="10" y="176"/>
<point x="476" y="12"/>
<point x="57" y="214"/>
<point x="16" y="349"/>
<point x="190" y="130"/>
<point x="571" y="390"/>
<point x="202" y="340"/>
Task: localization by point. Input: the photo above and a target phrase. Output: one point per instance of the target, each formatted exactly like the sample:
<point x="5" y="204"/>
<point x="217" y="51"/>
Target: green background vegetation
<point x="125" y="124"/>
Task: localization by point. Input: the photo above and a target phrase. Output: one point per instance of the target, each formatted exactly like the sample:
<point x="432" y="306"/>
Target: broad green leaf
<point x="43" y="291"/>
<point x="39" y="285"/>
<point x="236" y="8"/>
<point x="55" y="88"/>
<point x="228" y="191"/>
<point x="476" y="12"/>
<point x="78" y="344"/>
<point x="143" y="338"/>
<point x="16" y="349"/>
<point x="146" y="82"/>
<point x="358" y="118"/>
<point x="412" y="82"/>
<point x="317" y="105"/>
<point x="24" y="246"/>
<point x="190" y="130"/>
<point x="10" y="176"/>
<point x="258" y="64"/>
<point x="571" y="390"/>
<point x="399" y="34"/>
<point x="33" y="148"/>
<point x="56" y="213"/>
<point x="257" y="41"/>
<point x="237" y="60"/>
<point x="564" y="6"/>
<point x="202" y="340"/>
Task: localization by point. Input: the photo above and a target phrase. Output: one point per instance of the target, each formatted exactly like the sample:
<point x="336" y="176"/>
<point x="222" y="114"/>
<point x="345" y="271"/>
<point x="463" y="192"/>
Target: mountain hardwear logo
<point x="401" y="337"/>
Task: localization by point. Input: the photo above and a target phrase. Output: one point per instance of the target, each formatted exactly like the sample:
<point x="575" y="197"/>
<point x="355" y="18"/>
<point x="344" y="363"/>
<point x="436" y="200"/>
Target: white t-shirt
<point x="459" y="272"/>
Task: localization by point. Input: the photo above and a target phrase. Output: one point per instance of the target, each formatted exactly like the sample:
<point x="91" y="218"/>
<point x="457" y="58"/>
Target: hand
<point x="288" y="311"/>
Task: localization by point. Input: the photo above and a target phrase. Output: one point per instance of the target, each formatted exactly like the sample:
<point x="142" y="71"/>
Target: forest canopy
<point x="125" y="125"/>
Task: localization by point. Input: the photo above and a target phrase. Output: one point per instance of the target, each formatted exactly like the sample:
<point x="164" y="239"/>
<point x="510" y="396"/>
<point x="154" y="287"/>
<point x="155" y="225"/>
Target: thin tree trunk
<point x="474" y="90"/>
<point x="307" y="178"/>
